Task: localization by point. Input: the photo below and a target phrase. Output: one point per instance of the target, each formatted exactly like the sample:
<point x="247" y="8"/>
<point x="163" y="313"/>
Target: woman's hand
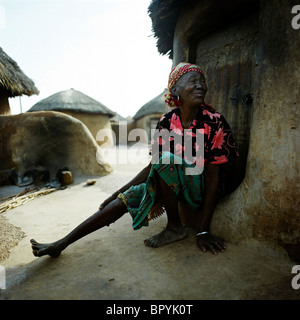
<point x="211" y="243"/>
<point x="108" y="200"/>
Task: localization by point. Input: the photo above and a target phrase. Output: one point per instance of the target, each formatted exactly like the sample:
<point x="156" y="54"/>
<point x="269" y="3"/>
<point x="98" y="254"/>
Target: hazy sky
<point x="103" y="48"/>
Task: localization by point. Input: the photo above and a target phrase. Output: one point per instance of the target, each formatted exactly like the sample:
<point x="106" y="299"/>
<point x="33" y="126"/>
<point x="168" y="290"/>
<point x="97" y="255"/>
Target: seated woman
<point x="166" y="180"/>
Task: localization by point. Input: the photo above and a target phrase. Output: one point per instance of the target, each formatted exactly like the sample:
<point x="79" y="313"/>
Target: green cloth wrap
<point x="143" y="202"/>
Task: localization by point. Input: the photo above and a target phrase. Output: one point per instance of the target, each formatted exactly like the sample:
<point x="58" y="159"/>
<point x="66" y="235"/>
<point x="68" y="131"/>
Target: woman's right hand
<point x="108" y="200"/>
<point x="211" y="243"/>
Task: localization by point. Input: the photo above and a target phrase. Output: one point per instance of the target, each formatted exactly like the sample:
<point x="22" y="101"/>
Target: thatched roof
<point x="13" y="79"/>
<point x="71" y="100"/>
<point x="164" y="14"/>
<point x="156" y="105"/>
<point x="117" y="117"/>
<point x="214" y="15"/>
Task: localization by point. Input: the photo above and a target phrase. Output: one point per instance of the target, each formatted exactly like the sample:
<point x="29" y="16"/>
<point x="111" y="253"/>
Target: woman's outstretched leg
<point x="174" y="230"/>
<point x="109" y="214"/>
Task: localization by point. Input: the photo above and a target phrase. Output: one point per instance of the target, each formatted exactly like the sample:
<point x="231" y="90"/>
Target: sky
<point x="102" y="48"/>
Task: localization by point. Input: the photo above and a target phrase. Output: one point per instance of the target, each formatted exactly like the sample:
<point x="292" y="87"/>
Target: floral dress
<point x="174" y="150"/>
<point x="219" y="146"/>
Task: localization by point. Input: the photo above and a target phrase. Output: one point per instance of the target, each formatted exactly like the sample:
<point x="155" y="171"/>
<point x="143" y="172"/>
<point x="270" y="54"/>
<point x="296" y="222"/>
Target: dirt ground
<point x="114" y="264"/>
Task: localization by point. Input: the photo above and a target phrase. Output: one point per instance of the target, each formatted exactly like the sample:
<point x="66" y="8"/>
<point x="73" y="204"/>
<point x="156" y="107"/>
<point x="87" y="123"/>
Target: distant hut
<point x="82" y="107"/>
<point x="121" y="127"/>
<point x="148" y="115"/>
<point x="13" y="82"/>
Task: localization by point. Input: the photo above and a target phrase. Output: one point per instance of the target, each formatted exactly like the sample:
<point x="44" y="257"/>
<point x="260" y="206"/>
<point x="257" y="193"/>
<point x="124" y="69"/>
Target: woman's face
<point x="191" y="88"/>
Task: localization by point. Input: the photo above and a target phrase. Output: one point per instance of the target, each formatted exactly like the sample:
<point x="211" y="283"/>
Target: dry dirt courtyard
<point x="114" y="264"/>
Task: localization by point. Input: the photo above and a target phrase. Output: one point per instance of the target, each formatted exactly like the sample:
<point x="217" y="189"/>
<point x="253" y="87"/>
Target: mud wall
<point x="48" y="140"/>
<point x="4" y="104"/>
<point x="95" y="122"/>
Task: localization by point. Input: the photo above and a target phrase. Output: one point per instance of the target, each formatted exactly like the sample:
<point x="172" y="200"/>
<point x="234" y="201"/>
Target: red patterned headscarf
<point x="181" y="69"/>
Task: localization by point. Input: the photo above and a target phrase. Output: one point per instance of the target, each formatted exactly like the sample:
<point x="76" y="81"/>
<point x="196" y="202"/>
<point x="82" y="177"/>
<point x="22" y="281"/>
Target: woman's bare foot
<point x="167" y="236"/>
<point x="52" y="249"/>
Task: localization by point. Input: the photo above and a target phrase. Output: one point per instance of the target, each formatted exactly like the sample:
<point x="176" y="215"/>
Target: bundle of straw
<point x="22" y="198"/>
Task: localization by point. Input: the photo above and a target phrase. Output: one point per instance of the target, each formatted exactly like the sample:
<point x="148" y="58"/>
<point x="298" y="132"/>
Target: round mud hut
<point x="13" y="82"/>
<point x="92" y="113"/>
<point x="148" y="115"/>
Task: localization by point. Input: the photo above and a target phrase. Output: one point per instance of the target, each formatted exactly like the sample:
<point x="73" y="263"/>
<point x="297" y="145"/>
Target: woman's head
<point x="186" y="85"/>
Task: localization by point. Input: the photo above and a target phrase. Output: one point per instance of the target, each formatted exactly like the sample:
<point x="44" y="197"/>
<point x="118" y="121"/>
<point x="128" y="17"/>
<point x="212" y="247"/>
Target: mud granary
<point x="44" y="141"/>
<point x="249" y="52"/>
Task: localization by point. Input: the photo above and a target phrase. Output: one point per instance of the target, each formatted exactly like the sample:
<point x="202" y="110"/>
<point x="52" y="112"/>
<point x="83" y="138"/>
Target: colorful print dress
<point x="208" y="140"/>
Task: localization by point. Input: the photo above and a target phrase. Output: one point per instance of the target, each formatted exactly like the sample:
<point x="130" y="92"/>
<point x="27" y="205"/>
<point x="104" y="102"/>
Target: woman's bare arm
<point x="138" y="179"/>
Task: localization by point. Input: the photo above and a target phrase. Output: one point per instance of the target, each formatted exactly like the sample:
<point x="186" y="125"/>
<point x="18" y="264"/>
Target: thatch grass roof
<point x="156" y="105"/>
<point x="214" y="15"/>
<point x="164" y="14"/>
<point x="12" y="78"/>
<point x="117" y="117"/>
<point x="71" y="100"/>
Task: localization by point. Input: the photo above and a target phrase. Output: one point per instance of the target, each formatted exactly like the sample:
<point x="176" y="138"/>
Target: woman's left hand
<point x="211" y="243"/>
